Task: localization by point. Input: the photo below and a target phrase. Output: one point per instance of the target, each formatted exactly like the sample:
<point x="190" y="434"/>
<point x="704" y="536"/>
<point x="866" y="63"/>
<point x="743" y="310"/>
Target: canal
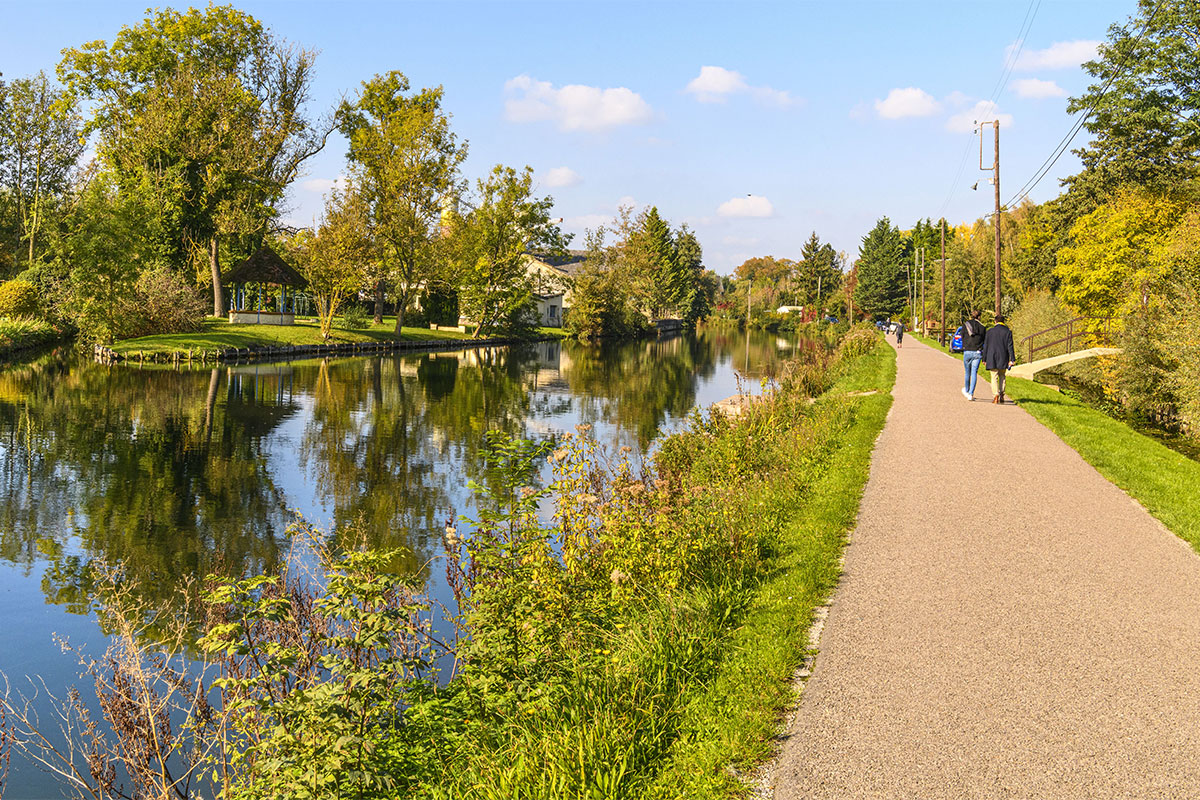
<point x="177" y="473"/>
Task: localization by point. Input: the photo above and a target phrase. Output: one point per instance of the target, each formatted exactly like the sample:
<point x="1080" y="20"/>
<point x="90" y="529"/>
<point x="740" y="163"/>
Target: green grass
<point x="734" y="721"/>
<point x="219" y="334"/>
<point x="1163" y="480"/>
<point x="23" y="333"/>
<point x="1159" y="478"/>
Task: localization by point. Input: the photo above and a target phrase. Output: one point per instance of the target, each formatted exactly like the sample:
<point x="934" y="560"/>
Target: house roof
<point x="567" y="262"/>
<point x="265" y="266"/>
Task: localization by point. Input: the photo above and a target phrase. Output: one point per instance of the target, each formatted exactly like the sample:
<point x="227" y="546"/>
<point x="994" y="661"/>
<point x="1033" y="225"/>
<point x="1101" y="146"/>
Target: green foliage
<point x="441" y="306"/>
<point x="407" y="161"/>
<point x="489" y="248"/>
<point x="201" y="114"/>
<point x="355" y="317"/>
<point x="1038" y="311"/>
<point x="23" y="332"/>
<point x="40" y="143"/>
<point x="335" y="258"/>
<point x="879" y="290"/>
<point x="18" y="298"/>
<point x="1142" y="128"/>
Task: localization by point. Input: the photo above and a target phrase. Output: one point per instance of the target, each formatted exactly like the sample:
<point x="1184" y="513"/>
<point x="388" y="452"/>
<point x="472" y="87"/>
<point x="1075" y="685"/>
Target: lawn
<point x="219" y="334"/>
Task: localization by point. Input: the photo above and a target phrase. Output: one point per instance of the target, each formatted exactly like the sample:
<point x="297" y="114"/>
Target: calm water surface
<point x="177" y="473"/>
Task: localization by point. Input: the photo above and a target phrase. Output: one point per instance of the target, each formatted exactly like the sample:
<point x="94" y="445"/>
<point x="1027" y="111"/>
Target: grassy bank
<point x="17" y="335"/>
<point x="1159" y="478"/>
<point x="219" y="334"/>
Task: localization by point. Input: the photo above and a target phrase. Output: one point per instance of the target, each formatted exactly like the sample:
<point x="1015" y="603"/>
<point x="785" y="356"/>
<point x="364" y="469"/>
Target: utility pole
<point x="943" y="337"/>
<point x="924" y="327"/>
<point x="995" y="168"/>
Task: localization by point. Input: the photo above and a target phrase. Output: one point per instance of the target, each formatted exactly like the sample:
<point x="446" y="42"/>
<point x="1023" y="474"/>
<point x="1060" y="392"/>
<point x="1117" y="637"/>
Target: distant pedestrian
<point x="972" y="346"/>
<point x="899" y="334"/>
<point x="999" y="355"/>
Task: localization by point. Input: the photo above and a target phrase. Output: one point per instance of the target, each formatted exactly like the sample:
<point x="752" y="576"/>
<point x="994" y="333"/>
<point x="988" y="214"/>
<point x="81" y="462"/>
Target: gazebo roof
<point x="265" y="266"/>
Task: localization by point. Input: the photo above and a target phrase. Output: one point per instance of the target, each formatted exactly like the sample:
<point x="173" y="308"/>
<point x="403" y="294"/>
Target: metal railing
<point x="1076" y="329"/>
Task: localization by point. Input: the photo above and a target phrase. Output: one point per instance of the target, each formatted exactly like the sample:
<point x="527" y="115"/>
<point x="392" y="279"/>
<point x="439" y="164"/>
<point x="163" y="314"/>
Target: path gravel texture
<point x="1009" y="624"/>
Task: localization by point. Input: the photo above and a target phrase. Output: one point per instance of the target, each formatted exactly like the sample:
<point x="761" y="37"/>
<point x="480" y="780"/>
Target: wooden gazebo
<point x="250" y="297"/>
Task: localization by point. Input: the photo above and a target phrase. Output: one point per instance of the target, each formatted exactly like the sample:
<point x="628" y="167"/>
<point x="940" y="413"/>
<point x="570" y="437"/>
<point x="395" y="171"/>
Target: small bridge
<point x="1082" y="337"/>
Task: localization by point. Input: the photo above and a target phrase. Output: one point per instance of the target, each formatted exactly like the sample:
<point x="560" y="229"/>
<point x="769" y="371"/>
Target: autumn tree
<point x="407" y="160"/>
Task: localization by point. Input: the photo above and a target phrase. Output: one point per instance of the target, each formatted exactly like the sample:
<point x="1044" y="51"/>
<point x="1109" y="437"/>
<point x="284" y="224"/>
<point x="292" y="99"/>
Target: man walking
<point x="999" y="355"/>
<point x="972" y="345"/>
<point x="900" y="334"/>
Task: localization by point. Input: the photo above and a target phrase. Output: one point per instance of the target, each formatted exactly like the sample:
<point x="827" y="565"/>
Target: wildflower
<point x="626" y="449"/>
<point x="527" y="492"/>
<point x="558" y="455"/>
<point x="618" y="577"/>
<point x="583" y="428"/>
<point x="451" y="535"/>
<point x="588" y="499"/>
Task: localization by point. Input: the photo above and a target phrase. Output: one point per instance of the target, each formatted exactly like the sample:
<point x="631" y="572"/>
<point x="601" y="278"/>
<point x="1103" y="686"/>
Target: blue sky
<point x="754" y="122"/>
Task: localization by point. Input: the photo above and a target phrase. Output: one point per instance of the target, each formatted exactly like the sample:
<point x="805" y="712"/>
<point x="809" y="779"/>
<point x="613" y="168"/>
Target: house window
<point x="553" y="312"/>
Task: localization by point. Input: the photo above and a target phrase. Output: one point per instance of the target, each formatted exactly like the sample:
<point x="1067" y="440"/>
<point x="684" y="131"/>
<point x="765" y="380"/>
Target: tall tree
<point x="691" y="299"/>
<point x="407" y="160"/>
<point x="489" y="247"/>
<point x="1145" y="123"/>
<point x="655" y="273"/>
<point x="40" y="143"/>
<point x="204" y="111"/>
<point x="879" y="286"/>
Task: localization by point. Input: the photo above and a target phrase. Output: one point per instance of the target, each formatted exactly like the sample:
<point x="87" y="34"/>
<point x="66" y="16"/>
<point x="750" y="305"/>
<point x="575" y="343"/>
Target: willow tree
<point x="202" y="114"/>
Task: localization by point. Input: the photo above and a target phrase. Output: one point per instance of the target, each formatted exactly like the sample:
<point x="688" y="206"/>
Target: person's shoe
<point x="995" y="399"/>
<point x="1002" y="398"/>
<point x="967" y="394"/>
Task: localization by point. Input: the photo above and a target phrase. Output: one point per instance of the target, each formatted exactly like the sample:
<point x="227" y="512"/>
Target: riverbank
<point x="20" y="335"/>
<point x="220" y="340"/>
<point x="641" y="643"/>
<point x="1159" y="478"/>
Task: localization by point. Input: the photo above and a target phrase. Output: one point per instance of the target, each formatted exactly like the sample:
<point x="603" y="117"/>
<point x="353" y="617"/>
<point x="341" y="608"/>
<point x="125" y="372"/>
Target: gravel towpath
<point x="1009" y="625"/>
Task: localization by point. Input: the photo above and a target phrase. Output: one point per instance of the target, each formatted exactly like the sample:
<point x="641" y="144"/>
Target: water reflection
<point x="178" y="472"/>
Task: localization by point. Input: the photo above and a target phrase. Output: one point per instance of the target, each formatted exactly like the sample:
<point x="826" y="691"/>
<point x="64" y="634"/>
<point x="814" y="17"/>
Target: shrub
<point x="355" y="317"/>
<point x="1038" y="311"/>
<point x="164" y="304"/>
<point x="25" y="332"/>
<point x="858" y="341"/>
<point x="18" y="299"/>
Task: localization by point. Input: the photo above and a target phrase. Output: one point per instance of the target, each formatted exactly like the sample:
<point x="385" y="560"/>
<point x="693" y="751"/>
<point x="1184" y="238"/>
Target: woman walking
<point x="972" y="345"/>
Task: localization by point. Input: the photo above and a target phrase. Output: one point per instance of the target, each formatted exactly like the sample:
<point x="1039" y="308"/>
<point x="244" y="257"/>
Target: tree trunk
<point x="214" y="261"/>
<point x="379" y="302"/>
<point x="400" y="304"/>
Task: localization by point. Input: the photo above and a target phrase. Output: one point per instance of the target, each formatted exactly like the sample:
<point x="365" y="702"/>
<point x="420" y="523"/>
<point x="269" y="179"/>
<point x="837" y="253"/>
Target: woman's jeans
<point x="971" y="359"/>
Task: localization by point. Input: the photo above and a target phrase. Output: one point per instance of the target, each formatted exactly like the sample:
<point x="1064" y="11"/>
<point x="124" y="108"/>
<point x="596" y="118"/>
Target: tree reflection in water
<point x="177" y="473"/>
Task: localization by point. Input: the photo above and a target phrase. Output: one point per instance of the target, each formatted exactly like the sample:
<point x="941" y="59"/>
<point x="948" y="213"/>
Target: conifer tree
<point x="879" y="290"/>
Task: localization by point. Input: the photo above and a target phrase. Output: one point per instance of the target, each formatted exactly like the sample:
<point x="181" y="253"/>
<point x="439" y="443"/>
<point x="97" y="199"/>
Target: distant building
<point x="790" y="310"/>
<point x="553" y="278"/>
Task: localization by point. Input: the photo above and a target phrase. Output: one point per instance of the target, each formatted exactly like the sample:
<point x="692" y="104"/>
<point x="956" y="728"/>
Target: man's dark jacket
<point x="998" y="350"/>
<point x="972" y="336"/>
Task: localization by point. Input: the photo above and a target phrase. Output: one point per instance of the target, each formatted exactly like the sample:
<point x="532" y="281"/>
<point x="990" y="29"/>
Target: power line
<point x="1001" y="82"/>
<point x="1062" y="146"/>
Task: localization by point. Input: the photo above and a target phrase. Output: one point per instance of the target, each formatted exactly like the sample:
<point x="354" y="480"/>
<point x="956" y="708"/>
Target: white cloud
<point x="957" y="99"/>
<point x="748" y="206"/>
<point x="716" y="84"/>
<point x="561" y="177"/>
<point x="323" y="185"/>
<point x="626" y="200"/>
<point x="909" y="102"/>
<point x="983" y="111"/>
<point x="574" y="107"/>
<point x="1032" y="87"/>
<point x="1060" y="55"/>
